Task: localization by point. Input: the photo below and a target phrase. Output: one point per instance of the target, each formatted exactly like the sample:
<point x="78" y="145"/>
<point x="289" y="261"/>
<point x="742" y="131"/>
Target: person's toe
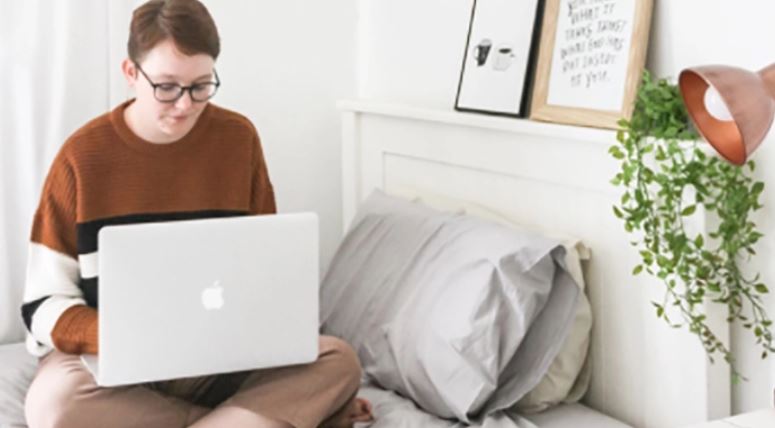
<point x="362" y="411"/>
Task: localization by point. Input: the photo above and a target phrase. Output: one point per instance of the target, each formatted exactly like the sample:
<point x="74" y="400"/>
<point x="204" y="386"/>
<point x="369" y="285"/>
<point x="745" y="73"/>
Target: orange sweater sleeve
<point x="76" y="331"/>
<point x="52" y="293"/>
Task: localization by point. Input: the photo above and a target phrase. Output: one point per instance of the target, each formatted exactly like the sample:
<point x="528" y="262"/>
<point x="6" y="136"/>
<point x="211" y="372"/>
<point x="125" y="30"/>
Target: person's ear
<point x="129" y="69"/>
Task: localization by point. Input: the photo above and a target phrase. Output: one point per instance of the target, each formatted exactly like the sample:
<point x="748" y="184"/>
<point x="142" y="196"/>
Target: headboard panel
<point x="557" y="178"/>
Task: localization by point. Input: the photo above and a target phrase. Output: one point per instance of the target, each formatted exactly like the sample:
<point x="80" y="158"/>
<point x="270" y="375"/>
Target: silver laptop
<point x="198" y="297"/>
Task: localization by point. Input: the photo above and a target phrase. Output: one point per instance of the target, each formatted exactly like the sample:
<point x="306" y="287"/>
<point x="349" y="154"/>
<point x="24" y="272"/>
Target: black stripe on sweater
<point x="89" y="288"/>
<point x="88" y="231"/>
<point x="28" y="310"/>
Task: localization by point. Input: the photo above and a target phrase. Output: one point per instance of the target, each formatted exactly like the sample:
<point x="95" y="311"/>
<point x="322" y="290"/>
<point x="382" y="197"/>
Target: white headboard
<point x="556" y="177"/>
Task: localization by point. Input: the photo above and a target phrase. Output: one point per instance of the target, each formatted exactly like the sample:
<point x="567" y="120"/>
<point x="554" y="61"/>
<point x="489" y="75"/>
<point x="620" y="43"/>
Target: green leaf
<point x="660" y="309"/>
<point x="689" y="210"/>
<point x="639" y="196"/>
<point x="761" y="288"/>
<point x="662" y="261"/>
<point x="638" y="269"/>
<point x="616" y="152"/>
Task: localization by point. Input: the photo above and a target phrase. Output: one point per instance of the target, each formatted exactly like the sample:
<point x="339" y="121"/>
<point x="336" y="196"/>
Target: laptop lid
<point x="198" y="297"/>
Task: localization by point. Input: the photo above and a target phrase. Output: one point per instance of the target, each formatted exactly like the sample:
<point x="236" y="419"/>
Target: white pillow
<point x="17" y="368"/>
<point x="568" y="377"/>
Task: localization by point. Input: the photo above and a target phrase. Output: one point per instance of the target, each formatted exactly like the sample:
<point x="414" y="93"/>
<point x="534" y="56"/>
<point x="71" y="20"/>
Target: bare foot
<point x="361" y="411"/>
<point x="357" y="410"/>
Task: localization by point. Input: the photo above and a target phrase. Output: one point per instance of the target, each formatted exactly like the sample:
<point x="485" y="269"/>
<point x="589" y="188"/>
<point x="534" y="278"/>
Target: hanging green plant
<point x="665" y="177"/>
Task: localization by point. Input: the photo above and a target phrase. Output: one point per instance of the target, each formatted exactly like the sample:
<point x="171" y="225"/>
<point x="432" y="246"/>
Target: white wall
<point x="693" y="32"/>
<point x="283" y="65"/>
<point x="411" y="51"/>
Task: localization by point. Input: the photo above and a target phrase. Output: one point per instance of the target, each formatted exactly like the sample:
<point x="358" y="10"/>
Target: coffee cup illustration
<point x="481" y="51"/>
<point x="504" y="56"/>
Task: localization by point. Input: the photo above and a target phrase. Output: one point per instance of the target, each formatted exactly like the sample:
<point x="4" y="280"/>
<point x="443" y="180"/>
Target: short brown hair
<point x="186" y="22"/>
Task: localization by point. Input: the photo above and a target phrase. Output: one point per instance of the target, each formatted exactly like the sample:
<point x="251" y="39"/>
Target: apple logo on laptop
<point x="212" y="297"/>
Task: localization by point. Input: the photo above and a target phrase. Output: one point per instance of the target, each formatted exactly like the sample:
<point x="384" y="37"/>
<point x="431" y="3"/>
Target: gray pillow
<point x="462" y="315"/>
<point x="17" y="368"/>
<point x="567" y="379"/>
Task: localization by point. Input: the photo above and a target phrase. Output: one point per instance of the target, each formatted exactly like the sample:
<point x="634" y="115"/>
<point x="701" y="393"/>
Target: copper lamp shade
<point x="749" y="97"/>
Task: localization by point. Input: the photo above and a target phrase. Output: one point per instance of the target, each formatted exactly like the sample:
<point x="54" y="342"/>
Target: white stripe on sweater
<point x="49" y="273"/>
<point x="89" y="265"/>
<point x="47" y="316"/>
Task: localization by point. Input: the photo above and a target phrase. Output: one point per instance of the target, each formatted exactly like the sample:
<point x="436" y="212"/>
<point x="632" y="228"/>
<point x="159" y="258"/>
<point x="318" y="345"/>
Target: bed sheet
<point x="394" y="411"/>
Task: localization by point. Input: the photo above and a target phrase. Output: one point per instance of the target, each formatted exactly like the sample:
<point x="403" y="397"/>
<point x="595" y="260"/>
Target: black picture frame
<point x="500" y="56"/>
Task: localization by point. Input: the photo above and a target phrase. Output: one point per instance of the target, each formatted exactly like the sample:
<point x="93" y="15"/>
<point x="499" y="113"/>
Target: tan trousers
<point x="64" y="394"/>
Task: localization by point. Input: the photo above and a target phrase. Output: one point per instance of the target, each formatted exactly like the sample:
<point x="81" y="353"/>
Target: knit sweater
<point x="103" y="175"/>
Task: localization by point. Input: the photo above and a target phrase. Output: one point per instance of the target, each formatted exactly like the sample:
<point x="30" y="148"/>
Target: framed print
<point x="500" y="52"/>
<point x="590" y="61"/>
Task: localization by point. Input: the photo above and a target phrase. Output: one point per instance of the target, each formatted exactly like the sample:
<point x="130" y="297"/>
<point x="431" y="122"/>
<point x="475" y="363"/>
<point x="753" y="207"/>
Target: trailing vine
<point x="665" y="176"/>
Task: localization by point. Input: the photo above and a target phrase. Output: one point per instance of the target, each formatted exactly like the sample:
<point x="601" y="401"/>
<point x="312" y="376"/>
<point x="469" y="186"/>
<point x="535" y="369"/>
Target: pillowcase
<point x="462" y="315"/>
<point x="16" y="372"/>
<point x="567" y="379"/>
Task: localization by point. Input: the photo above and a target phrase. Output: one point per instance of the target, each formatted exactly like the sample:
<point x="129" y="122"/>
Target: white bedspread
<point x="394" y="411"/>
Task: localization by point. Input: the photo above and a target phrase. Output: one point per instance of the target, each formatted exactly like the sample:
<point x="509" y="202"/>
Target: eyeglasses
<point x="171" y="92"/>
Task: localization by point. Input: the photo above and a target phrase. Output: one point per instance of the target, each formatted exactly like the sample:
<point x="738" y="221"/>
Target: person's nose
<point x="184" y="102"/>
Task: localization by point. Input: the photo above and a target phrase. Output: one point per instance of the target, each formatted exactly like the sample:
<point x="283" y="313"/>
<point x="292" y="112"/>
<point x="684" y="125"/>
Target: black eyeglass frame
<point x="182" y="89"/>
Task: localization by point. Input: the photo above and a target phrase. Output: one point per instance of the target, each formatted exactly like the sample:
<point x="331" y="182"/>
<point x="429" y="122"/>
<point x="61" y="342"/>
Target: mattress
<point x="394" y="411"/>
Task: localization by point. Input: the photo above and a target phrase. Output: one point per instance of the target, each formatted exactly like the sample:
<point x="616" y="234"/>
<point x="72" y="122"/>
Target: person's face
<point x="166" y="64"/>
